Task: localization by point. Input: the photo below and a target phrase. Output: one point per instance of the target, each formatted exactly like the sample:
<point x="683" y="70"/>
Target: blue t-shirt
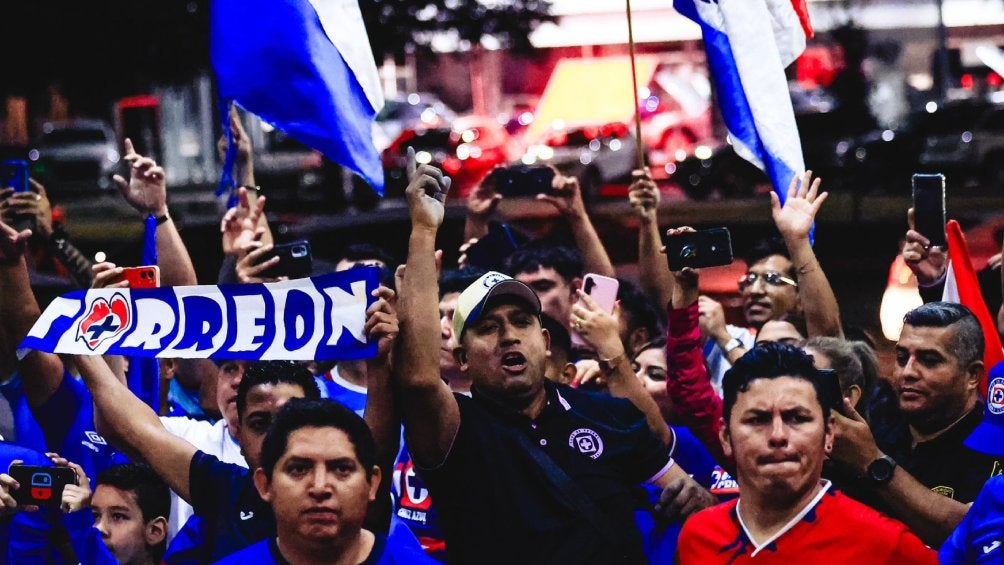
<point x="25" y="537"/>
<point x="979" y="538"/>
<point x="398" y="547"/>
<point x="414" y="506"/>
<point x="348" y="395"/>
<point x="233" y="513"/>
<point x="184" y="402"/>
<point x="64" y="424"/>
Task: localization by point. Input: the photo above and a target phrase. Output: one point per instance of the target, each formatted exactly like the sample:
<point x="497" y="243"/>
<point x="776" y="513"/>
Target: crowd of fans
<point x="507" y="417"/>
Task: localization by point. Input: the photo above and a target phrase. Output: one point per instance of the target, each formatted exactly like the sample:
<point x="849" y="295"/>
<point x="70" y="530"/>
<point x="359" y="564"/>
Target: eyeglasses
<point x="770" y="277"/>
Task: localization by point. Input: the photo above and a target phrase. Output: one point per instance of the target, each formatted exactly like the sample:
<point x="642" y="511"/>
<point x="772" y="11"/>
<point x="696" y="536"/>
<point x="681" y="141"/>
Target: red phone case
<point x="142" y="277"/>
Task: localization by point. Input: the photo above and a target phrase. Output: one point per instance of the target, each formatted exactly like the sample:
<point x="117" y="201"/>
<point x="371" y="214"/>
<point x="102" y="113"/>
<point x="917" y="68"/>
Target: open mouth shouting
<point x="513" y="362"/>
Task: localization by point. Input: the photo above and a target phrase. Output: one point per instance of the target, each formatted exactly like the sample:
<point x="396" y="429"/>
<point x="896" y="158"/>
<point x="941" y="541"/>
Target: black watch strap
<point x="880" y="471"/>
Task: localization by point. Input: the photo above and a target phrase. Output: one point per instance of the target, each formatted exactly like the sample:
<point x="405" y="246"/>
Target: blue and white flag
<point x="749" y="43"/>
<point x="306" y="67"/>
<point x="320" y="318"/>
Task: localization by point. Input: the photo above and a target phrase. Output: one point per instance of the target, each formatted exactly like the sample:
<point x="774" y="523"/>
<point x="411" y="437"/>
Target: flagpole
<point x="634" y="84"/>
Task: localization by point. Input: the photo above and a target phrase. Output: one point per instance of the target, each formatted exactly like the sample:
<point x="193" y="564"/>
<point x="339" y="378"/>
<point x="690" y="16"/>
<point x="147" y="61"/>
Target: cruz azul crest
<point x="104" y="320"/>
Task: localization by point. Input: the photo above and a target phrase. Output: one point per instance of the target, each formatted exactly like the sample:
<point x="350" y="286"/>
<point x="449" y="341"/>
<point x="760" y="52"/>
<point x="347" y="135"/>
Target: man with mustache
<point x="777" y="425"/>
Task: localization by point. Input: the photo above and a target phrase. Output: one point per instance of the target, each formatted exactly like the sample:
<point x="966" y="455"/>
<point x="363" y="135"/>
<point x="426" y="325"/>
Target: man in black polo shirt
<point x="917" y="466"/>
<point x="525" y="471"/>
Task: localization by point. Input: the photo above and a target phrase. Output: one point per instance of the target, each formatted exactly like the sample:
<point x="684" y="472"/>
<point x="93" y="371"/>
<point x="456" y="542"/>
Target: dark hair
<point x="854" y="362"/>
<point x="547" y="255"/>
<point x="770" y="361"/>
<point x="316" y="413"/>
<point x="457" y="280"/>
<point x="363" y="251"/>
<point x="152" y="494"/>
<point x="640" y="312"/>
<point x="766" y="247"/>
<point x="272" y="373"/>
<point x="561" y="340"/>
<point x="967" y="339"/>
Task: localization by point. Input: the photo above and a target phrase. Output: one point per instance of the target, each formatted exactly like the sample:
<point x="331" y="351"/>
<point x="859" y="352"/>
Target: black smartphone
<point x="295" y="260"/>
<point x="699" y="249"/>
<point x="14" y="174"/>
<point x="929" y="207"/>
<point x="832" y="389"/>
<point x="523" y="180"/>
<point x="490" y="252"/>
<point x="41" y="486"/>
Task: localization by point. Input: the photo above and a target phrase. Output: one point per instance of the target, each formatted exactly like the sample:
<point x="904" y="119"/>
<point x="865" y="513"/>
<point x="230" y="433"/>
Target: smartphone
<point x="832" y="389"/>
<point x="523" y="180"/>
<point x="929" y="207"/>
<point x="14" y="174"/>
<point x="704" y="248"/>
<point x="603" y="291"/>
<point x="147" y="276"/>
<point x="490" y="252"/>
<point x="295" y="260"/>
<point x="41" y="486"/>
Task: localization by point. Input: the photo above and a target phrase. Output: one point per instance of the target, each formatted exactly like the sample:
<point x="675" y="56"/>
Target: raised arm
<point x="794" y="220"/>
<point x="431" y="414"/>
<point x="481" y="205"/>
<point x="600" y="331"/>
<point x="134" y="427"/>
<point x="41" y="373"/>
<point x="146" y="191"/>
<point x="567" y="198"/>
<point x="381" y="413"/>
<point x="653" y="271"/>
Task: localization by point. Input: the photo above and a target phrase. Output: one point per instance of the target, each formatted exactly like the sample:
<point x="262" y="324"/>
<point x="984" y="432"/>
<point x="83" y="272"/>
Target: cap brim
<point x="987" y="438"/>
<point x="504" y="289"/>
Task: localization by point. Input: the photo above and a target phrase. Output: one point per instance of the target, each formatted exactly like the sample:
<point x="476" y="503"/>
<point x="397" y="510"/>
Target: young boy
<point x="127" y="521"/>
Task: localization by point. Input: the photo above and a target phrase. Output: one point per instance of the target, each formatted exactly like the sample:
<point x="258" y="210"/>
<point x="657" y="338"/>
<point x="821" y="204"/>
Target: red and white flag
<point x="962" y="287"/>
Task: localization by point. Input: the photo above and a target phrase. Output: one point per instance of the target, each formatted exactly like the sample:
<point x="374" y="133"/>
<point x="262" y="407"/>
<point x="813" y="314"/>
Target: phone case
<point x="522" y="180"/>
<point x="14" y="174"/>
<point x="603" y="291"/>
<point x="929" y="207"/>
<point x="295" y="260"/>
<point x="41" y="486"/>
<point x="142" y="277"/>
<point x="704" y="248"/>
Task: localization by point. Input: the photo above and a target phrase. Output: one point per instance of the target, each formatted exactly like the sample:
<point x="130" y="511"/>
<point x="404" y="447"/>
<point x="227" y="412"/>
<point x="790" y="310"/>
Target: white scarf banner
<point x="319" y="318"/>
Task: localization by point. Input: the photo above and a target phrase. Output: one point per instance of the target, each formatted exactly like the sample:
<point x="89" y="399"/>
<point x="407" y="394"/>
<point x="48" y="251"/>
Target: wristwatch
<point x="608" y="366"/>
<point x="880" y="471"/>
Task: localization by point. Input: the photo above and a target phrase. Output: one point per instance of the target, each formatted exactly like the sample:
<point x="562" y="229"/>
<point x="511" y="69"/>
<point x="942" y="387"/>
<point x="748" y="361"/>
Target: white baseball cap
<point x="492" y="284"/>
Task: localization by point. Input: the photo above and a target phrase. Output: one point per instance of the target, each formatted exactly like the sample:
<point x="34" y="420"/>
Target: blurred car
<point x="465" y="150"/>
<point x="406" y="110"/>
<point x="675" y="115"/>
<point x="716" y="174"/>
<point x="595" y="154"/>
<point x="965" y="140"/>
<point x="77" y="155"/>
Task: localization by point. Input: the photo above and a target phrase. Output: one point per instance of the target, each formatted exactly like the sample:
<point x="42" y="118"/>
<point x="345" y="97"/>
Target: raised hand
<point x="243" y="223"/>
<point x="107" y="275"/>
<point x="685" y="289"/>
<point x="78" y="496"/>
<point x="241" y="139"/>
<point x="249" y="267"/>
<point x="598" y="328"/>
<point x="426" y="193"/>
<point x="712" y="320"/>
<point x="12" y="243"/>
<point x="34" y="203"/>
<point x="643" y="195"/>
<point x="483" y="200"/>
<point x="146" y="190"/>
<point x="794" y="220"/>
<point x="381" y="321"/>
<point x="928" y="262"/>
<point x="566" y="196"/>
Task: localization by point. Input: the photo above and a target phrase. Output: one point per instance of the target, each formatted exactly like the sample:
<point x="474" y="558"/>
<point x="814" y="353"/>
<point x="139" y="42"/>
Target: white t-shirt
<point x="213" y="439"/>
<point x="716" y="360"/>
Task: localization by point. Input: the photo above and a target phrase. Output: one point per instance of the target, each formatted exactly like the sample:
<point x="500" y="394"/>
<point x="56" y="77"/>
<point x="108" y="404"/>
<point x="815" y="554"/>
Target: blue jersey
<point x="25" y="538"/>
<point x="413" y="505"/>
<point x="979" y="537"/>
<point x="398" y="547"/>
<point x="64" y="424"/>
<point x="347" y="394"/>
<point x="693" y="457"/>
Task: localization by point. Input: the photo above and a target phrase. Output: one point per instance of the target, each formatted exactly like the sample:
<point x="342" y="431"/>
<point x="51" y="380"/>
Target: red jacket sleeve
<point x="695" y="402"/>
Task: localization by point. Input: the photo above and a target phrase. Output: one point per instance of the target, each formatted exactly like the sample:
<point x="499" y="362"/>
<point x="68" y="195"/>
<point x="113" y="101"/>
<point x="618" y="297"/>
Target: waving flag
<point x="962" y="287"/>
<point x="306" y="68"/>
<point x="749" y="43"/>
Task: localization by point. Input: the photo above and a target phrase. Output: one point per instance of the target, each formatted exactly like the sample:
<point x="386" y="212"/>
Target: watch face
<point x="881" y="470"/>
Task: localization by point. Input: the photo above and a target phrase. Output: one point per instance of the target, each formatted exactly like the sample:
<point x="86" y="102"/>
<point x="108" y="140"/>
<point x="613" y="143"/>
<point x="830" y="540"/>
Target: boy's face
<point x="119" y="519"/>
